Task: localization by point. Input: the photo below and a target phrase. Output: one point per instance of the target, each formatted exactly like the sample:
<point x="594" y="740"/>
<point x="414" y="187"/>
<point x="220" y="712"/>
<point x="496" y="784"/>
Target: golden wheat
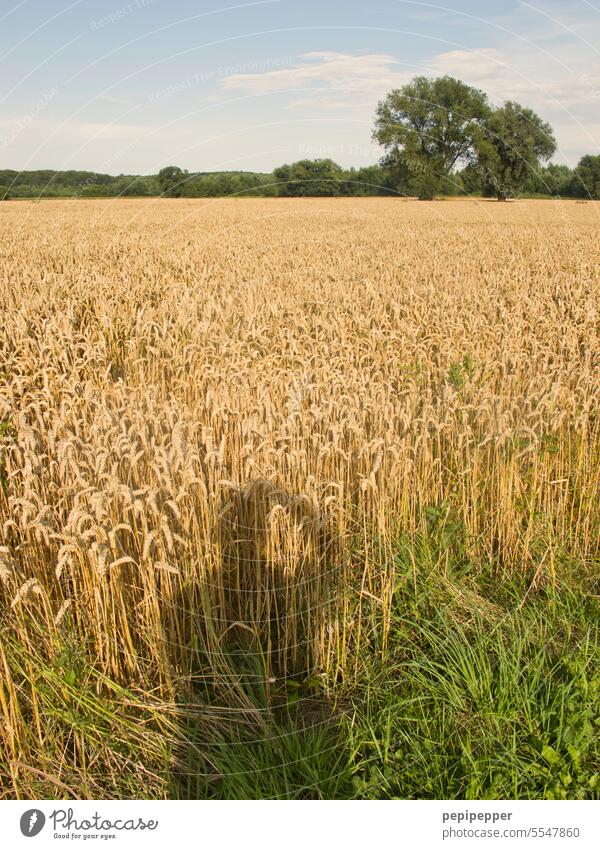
<point x="220" y="417"/>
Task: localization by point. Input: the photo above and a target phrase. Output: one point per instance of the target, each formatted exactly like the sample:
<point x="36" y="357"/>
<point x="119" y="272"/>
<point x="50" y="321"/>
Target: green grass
<point x="486" y="710"/>
<point x="473" y="701"/>
<point x="485" y="689"/>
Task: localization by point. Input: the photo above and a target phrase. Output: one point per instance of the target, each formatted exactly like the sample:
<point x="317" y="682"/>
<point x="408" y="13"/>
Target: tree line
<point x="442" y="131"/>
<point x="310" y="177"/>
<point x="440" y="136"/>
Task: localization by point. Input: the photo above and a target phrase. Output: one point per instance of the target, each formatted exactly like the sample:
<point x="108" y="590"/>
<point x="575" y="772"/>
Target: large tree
<point x="516" y="142"/>
<point x="316" y="177"/>
<point x="172" y="181"/>
<point x="586" y="182"/>
<point x="429" y="126"/>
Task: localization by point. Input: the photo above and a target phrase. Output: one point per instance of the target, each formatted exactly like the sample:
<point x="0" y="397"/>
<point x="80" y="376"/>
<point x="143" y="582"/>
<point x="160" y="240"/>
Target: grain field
<point x="232" y="431"/>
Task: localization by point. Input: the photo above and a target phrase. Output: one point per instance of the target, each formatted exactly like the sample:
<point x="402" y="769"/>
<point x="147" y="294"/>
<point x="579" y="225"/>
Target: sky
<point x="129" y="87"/>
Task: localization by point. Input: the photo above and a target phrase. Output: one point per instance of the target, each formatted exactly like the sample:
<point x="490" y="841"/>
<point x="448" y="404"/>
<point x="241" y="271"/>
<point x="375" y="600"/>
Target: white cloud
<point x="551" y="89"/>
<point x="564" y="89"/>
<point x="354" y="78"/>
<point x="486" y="65"/>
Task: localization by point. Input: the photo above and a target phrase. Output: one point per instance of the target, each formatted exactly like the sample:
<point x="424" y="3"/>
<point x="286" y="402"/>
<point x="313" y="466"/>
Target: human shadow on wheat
<point x="260" y="630"/>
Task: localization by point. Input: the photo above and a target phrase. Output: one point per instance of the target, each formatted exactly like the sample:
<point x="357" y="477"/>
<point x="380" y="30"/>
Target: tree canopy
<point x="587" y="177"/>
<point x="172" y="181"/>
<point x="516" y="142"/>
<point x="432" y="128"/>
<point x="308" y="177"/>
<point x="431" y="125"/>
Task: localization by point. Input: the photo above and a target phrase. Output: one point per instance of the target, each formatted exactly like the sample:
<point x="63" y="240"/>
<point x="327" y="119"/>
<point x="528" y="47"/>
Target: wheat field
<point x="220" y="421"/>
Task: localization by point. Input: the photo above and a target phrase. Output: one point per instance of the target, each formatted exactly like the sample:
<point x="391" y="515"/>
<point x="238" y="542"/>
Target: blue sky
<point x="128" y="86"/>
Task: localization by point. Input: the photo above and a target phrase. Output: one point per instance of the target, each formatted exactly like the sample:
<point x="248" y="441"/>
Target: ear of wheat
<point x="216" y="425"/>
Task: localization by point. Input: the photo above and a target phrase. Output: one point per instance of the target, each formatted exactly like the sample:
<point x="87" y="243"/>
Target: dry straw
<point x="219" y="420"/>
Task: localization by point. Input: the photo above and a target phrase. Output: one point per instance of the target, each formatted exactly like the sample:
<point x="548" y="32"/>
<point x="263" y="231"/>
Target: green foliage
<point x="429" y="126"/>
<point x="89" y="719"/>
<point x="230" y="184"/>
<point x="485" y="689"/>
<point x="477" y="701"/>
<point x="7" y="430"/>
<point x="325" y="178"/>
<point x="288" y="759"/>
<point x="70" y="664"/>
<point x="171" y="181"/>
<point x="368" y="181"/>
<point x="516" y="141"/>
<point x="461" y="372"/>
<point x="392" y="177"/>
<point x="34" y="184"/>
<point x="309" y="178"/>
<point x="554" y="180"/>
<point x="586" y="179"/>
<point x="480" y="694"/>
<point x="399" y="176"/>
